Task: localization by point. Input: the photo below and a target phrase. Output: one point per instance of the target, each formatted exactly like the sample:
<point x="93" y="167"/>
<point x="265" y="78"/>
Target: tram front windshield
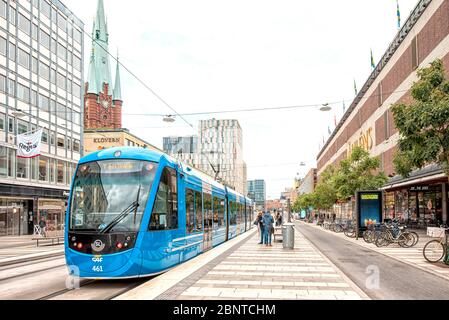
<point x="111" y="195"/>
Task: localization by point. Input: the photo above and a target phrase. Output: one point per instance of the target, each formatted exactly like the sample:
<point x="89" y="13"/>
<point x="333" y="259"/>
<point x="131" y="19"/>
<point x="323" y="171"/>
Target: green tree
<point x="424" y="124"/>
<point x="358" y="172"/>
<point x="325" y="194"/>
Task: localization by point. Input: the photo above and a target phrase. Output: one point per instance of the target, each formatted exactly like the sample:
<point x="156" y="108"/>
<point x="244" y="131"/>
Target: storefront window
<point x="3" y="161"/>
<point x="401" y="205"/>
<point x="60" y="168"/>
<point x="389" y="205"/>
<point x="412" y="206"/>
<point x="53" y="213"/>
<point x="23" y="167"/>
<point x="43" y="169"/>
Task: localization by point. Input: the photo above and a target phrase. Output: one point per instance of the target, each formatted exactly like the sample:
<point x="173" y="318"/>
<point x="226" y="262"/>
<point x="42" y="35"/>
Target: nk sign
<point x="369" y="208"/>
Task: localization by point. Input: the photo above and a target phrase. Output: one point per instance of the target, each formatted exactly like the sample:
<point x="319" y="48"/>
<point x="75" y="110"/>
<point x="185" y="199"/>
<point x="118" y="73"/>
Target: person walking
<point x="259" y="222"/>
<point x="268" y="222"/>
<point x="43" y="226"/>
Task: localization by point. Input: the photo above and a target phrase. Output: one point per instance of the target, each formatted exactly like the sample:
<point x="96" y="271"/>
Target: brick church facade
<point x="103" y="103"/>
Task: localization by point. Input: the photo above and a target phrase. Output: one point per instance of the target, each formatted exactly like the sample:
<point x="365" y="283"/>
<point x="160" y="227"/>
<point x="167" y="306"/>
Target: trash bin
<point x="288" y="235"/>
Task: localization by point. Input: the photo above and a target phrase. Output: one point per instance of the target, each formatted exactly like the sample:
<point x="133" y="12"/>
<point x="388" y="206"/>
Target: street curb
<point x="387" y="255"/>
<point x="353" y="285"/>
<point x="12" y="261"/>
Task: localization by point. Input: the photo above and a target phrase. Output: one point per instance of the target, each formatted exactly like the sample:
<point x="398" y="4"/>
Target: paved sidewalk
<point x="20" y="249"/>
<point x="252" y="271"/>
<point x="412" y="256"/>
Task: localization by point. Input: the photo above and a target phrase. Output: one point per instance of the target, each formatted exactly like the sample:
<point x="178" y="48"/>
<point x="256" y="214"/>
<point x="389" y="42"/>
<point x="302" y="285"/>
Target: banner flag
<point x="399" y="14"/>
<point x="29" y="144"/>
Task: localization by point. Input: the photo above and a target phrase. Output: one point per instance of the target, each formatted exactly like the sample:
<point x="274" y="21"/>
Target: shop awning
<point x="425" y="175"/>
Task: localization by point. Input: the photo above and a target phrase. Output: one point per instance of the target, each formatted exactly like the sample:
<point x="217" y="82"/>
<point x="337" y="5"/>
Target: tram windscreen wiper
<point x="123" y="214"/>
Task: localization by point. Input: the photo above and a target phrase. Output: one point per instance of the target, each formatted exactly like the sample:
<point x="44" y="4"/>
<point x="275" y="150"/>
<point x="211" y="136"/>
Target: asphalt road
<point x="379" y="276"/>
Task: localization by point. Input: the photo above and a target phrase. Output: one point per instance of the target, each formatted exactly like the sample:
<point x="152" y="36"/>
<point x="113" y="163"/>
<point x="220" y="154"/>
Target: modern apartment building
<point x="41" y="75"/>
<point x="257" y="191"/>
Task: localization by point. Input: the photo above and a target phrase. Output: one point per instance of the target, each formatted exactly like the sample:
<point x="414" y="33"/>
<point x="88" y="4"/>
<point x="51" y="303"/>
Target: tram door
<point x="208" y="221"/>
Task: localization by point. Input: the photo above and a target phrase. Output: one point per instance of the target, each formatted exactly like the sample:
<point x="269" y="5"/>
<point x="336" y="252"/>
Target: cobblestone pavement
<point x="254" y="271"/>
<point x="412" y="256"/>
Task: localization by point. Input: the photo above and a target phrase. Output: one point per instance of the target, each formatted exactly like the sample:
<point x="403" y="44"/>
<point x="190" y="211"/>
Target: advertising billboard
<point x="369" y="208"/>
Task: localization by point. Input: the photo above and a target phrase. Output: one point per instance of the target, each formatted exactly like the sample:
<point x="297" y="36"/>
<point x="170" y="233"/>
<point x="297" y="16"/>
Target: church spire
<point x="92" y="76"/>
<point x="117" y="86"/>
<point x="100" y="44"/>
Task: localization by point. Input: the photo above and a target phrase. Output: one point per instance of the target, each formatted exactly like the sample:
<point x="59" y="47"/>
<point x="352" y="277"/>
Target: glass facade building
<point x="178" y="145"/>
<point x="41" y="76"/>
<point x="257" y="191"/>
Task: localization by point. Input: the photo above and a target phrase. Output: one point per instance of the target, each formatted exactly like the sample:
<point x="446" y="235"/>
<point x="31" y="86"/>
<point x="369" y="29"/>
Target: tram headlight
<point x="79" y="246"/>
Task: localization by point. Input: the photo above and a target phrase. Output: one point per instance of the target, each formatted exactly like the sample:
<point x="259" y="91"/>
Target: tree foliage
<point x="358" y="172"/>
<point x="424" y="123"/>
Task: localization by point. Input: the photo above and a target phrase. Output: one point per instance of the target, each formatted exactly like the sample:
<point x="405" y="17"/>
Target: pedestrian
<point x="43" y="226"/>
<point x="279" y="220"/>
<point x="268" y="228"/>
<point x="259" y="223"/>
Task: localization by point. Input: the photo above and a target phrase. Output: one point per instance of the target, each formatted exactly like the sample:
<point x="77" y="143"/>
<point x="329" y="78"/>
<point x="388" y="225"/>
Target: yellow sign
<point x="370" y="196"/>
<point x="365" y="141"/>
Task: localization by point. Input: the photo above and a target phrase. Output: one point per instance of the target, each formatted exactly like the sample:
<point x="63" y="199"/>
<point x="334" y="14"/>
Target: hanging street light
<point x="325" y="107"/>
<point x="169" y="119"/>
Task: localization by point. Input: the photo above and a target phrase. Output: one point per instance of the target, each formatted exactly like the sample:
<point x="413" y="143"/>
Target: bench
<point x="277" y="233"/>
<point x="50" y="235"/>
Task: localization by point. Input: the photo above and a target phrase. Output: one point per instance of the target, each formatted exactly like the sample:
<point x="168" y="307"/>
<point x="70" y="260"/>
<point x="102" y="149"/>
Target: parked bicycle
<point x="394" y="233"/>
<point x="436" y="250"/>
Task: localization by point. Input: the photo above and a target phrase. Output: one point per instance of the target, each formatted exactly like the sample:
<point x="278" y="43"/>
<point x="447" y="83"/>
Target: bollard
<point x="288" y="236"/>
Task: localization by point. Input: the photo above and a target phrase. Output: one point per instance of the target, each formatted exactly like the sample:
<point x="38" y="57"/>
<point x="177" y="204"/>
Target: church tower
<point x="102" y="102"/>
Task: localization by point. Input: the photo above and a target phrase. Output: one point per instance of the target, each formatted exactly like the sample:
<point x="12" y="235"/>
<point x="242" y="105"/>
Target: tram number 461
<point x="97" y="268"/>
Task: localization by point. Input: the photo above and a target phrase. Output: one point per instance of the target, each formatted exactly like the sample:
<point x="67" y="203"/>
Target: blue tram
<point x="133" y="212"/>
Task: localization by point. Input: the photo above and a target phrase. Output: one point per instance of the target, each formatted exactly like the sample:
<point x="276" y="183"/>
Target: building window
<point x="12" y="52"/>
<point x="2" y="121"/>
<point x="61" y="111"/>
<point x="45" y="136"/>
<point x="46" y="8"/>
<point x="61" y="143"/>
<point x="11" y="163"/>
<point x="62" y="52"/>
<point x="34" y="169"/>
<point x="24" y="24"/>
<point x="44" y="103"/>
<point x="3" y="46"/>
<point x="24" y="59"/>
<point x="165" y="210"/>
<point x="3" y="162"/>
<point x="69" y="144"/>
<point x="76" y="117"/>
<point x="60" y="168"/>
<point x="77" y="63"/>
<point x="11" y="125"/>
<point x="76" y="90"/>
<point x="23" y="167"/>
<point x="11" y="87"/>
<point x="34" y="65"/>
<point x="62" y="23"/>
<point x="77" y="36"/>
<point x="76" y="145"/>
<point x="53" y="46"/>
<point x="43" y="169"/>
<point x="34" y="31"/>
<point x="44" y="71"/>
<point x="22" y="127"/>
<point x="53" y="76"/>
<point x="51" y="171"/>
<point x="52" y="139"/>
<point x="61" y="81"/>
<point x="23" y="93"/>
<point x="3" y="7"/>
<point x="414" y="46"/>
<point x="45" y="39"/>
<point x="12" y="16"/>
<point x="2" y="83"/>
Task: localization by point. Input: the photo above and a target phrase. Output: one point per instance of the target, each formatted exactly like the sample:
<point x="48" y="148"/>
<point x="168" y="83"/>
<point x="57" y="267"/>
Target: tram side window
<point x="233" y="211"/>
<point x="221" y="211"/>
<point x="216" y="211"/>
<point x="199" y="211"/>
<point x="165" y="210"/>
<point x="190" y="211"/>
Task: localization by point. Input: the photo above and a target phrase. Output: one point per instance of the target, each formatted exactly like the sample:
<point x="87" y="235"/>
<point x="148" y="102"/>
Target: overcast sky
<point x="206" y="55"/>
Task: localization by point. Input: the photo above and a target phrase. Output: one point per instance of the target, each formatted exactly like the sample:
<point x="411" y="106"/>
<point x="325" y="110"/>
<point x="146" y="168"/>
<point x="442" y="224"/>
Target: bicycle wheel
<point x="382" y="240"/>
<point x="416" y="236"/>
<point x="434" y="251"/>
<point x="367" y="235"/>
<point x="406" y="240"/>
<point x="338" y="228"/>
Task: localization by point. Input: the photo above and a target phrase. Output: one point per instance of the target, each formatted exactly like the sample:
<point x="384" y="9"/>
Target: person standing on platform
<point x="268" y="222"/>
<point x="259" y="222"/>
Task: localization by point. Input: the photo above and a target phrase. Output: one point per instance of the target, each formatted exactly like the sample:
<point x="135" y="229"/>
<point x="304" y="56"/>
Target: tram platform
<point x="242" y="269"/>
